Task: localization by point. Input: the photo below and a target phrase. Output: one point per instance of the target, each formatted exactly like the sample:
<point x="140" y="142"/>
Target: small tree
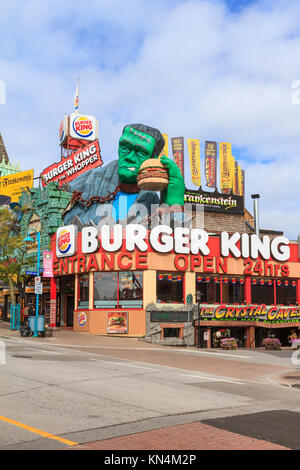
<point x="12" y="252"/>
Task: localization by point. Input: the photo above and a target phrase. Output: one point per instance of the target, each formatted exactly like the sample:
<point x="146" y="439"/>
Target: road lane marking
<point x="37" y="349"/>
<point x="213" y="379"/>
<point x="124" y="364"/>
<point x="219" y="354"/>
<point x="38" y="431"/>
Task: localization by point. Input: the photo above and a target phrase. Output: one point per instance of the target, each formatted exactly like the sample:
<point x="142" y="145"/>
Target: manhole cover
<point x="292" y="377"/>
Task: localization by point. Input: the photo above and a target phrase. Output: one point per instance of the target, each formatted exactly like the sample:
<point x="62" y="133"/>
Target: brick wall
<point x="214" y="222"/>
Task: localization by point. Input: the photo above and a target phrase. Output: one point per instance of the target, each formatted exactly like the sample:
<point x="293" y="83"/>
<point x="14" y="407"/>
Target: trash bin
<point x="37" y="320"/>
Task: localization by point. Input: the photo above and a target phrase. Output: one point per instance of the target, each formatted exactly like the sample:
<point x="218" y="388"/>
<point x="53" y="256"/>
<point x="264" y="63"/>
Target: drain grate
<point x="292" y="377"/>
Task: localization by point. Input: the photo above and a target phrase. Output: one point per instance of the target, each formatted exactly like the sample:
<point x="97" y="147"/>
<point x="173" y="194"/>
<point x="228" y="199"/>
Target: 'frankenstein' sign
<point x="215" y="201"/>
<point x="262" y="313"/>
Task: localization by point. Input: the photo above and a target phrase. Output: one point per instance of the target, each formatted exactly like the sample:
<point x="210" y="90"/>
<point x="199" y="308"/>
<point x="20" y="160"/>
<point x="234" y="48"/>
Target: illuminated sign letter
<point x="280" y="249"/>
<point x="90" y="242"/>
<point x="228" y="244"/>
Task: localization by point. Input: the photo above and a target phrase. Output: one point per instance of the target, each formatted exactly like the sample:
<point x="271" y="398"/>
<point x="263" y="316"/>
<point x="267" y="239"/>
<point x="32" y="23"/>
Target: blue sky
<point x="212" y="70"/>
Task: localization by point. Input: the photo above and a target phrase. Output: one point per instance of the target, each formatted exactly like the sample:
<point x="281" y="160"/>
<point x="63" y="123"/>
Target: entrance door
<point x="70" y="309"/>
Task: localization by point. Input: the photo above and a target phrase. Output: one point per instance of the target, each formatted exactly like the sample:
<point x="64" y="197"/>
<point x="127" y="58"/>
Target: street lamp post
<point x="29" y="239"/>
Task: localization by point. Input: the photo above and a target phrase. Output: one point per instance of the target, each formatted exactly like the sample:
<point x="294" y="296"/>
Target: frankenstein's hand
<point x="174" y="194"/>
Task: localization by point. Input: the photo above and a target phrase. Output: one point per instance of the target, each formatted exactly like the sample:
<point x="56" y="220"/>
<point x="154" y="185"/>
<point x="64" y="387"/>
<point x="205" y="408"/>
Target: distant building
<point x="6" y="168"/>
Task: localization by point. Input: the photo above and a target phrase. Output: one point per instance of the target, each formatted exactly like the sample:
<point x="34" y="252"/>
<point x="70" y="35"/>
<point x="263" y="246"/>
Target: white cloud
<point x="191" y="68"/>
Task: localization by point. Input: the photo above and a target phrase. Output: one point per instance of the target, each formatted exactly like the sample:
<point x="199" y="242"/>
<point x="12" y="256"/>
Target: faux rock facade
<point x="43" y="209"/>
<point x="154" y="328"/>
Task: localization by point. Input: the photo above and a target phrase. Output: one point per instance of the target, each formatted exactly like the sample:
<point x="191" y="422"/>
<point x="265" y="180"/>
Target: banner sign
<point x="178" y="152"/>
<point x="13" y="185"/>
<point x="261" y="313"/>
<point x="194" y="153"/>
<point x="211" y="164"/>
<point x="48" y="263"/>
<point x="215" y="202"/>
<point x="236" y="178"/>
<point x="243" y="183"/>
<point x="232" y="172"/>
<point x="240" y="181"/>
<point x="117" y="322"/>
<point x="225" y="164"/>
<point x="165" y="150"/>
<point x="79" y="162"/>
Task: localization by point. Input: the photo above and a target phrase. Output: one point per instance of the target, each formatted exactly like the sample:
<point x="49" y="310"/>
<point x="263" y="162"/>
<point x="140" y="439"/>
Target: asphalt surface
<point x="74" y="389"/>
<point x="279" y="426"/>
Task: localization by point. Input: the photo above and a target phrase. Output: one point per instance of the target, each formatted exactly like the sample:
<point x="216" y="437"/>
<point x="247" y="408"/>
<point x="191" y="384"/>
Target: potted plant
<point x="229" y="343"/>
<point x="272" y="344"/>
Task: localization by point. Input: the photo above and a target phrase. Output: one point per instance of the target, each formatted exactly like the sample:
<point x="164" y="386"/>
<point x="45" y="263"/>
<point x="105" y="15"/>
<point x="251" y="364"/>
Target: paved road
<point x="59" y="392"/>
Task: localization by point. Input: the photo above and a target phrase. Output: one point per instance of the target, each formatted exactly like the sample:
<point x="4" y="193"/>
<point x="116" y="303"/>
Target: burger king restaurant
<point x="176" y="286"/>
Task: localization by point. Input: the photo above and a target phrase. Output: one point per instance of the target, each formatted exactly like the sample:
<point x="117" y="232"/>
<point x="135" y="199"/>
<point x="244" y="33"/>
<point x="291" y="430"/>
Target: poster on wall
<point x="117" y="322"/>
<point x="178" y="152"/>
<point x="211" y="164"/>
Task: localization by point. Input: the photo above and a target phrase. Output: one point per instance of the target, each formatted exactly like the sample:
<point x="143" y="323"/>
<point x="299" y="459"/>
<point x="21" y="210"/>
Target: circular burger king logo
<point x="64" y="241"/>
<point x="83" y="126"/>
<point x="82" y="319"/>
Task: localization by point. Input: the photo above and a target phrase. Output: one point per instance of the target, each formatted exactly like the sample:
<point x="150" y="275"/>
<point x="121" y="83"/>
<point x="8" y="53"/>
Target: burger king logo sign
<point x="66" y="241"/>
<point x="82" y="319"/>
<point x="83" y="127"/>
<point x="63" y="242"/>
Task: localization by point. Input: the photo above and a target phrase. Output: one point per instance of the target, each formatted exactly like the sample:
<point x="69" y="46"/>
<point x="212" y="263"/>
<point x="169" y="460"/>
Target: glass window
<point x="262" y="291"/>
<point x="286" y="291"/>
<point x="105" y="290"/>
<point x="171" y="332"/>
<point x="118" y="290"/>
<point x="131" y="289"/>
<point x="232" y="290"/>
<point x="209" y="289"/>
<point x="83" y="294"/>
<point x="169" y="287"/>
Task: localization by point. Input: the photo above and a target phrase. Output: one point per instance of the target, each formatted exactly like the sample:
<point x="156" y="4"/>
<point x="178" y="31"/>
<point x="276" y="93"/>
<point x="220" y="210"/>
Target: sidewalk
<point x="193" y="436"/>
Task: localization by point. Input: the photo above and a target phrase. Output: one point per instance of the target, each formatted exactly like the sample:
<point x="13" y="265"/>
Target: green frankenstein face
<point x="134" y="148"/>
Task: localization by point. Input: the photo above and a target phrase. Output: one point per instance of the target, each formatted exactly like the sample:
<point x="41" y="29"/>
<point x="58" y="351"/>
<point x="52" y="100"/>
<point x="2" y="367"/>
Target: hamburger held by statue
<point x="153" y="176"/>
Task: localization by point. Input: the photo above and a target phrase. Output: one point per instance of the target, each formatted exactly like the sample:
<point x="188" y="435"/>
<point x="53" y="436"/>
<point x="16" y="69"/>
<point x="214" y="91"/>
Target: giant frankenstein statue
<point x="117" y="181"/>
